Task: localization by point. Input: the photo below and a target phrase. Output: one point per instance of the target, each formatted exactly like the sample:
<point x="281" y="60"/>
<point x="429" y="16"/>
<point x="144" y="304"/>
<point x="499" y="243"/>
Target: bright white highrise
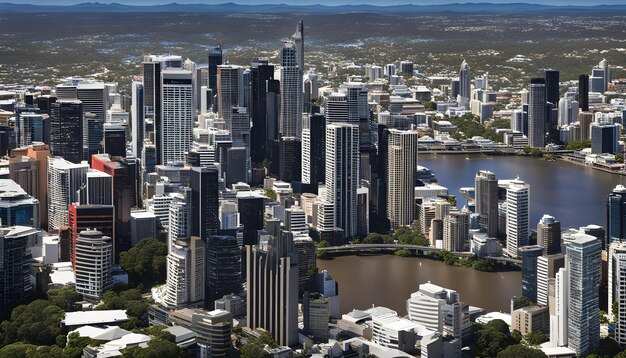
<point x="517" y="216"/>
<point x="401" y="172"/>
<point x="177" y="114"/>
<point x="64" y="182"/>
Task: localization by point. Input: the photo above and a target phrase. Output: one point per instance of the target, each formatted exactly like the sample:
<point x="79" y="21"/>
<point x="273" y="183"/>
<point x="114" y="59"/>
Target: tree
<point x="490" y="342"/>
<point x="520" y="351"/>
<point x="252" y="350"/>
<point x="76" y="344"/>
<point x="535" y="338"/>
<point x="37" y="323"/>
<point x="131" y="301"/>
<point x="18" y="350"/>
<point x="271" y="194"/>
<point x="578" y="145"/>
<point x="64" y="298"/>
<point x="267" y="339"/>
<point x="497" y="325"/>
<point x="145" y="263"/>
<point x="403" y="252"/>
<point x="619" y="157"/>
<point x="157" y="348"/>
<point x="609" y="348"/>
<point x="521" y="302"/>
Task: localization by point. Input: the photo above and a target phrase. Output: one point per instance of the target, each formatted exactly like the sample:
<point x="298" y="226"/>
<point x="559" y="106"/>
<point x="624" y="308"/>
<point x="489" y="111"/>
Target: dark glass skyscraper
<point x="537" y="113"/>
<point x="204" y="201"/>
<point x="616" y="215"/>
<point x="215" y="59"/>
<point x="552" y="86"/>
<point x="583" y="92"/>
<point x="223" y="267"/>
<point x="251" y="210"/>
<point x="66" y="130"/>
<point x="261" y="72"/>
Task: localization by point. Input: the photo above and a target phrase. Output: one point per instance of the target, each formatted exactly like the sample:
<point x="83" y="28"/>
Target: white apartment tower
<point x="342" y="174"/>
<point x="617" y="289"/>
<point x="401" y="172"/>
<point x="177" y="114"/>
<point x="93" y="264"/>
<point x="517" y="216"/>
<point x="64" y="182"/>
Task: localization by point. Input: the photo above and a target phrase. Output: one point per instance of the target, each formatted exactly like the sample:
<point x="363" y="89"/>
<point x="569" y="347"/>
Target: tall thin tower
<point x="537" y="113"/>
<point x="291" y="89"/>
<point x="402" y="159"/>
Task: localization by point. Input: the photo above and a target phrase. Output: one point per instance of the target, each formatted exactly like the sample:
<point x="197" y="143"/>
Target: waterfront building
<point x="529" y="255"/>
<point x="486" y="186"/>
<point x="549" y="235"/>
<point x="583" y="264"/>
<point x="305" y="250"/>
<point x="604" y="138"/>
<point x="537" y="113"/>
<point x="616" y="215"/>
<point x="401" y="172"/>
<point x="517" y="216"/>
<point x="456" y="231"/>
<point x="617" y="288"/>
<point x="316" y="312"/>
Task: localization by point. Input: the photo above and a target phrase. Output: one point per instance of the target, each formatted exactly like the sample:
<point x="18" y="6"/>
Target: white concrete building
<point x="93" y="264"/>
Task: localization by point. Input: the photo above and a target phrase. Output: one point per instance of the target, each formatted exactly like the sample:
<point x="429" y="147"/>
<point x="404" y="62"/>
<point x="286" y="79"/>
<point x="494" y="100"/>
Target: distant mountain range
<point x="313" y="9"/>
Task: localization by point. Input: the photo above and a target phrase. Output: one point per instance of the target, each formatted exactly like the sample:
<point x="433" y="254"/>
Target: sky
<point x="323" y="2"/>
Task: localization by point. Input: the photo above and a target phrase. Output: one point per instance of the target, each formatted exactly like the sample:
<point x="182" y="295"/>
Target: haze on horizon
<point x="322" y="2"/>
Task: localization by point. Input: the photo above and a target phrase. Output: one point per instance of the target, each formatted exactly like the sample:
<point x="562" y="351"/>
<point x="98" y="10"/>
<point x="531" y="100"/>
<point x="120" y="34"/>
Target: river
<point x="573" y="194"/>
<point x="388" y="280"/>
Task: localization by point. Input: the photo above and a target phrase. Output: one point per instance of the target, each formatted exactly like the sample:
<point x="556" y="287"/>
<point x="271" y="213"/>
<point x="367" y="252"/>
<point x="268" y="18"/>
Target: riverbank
<point x="596" y="167"/>
<point x="446" y="257"/>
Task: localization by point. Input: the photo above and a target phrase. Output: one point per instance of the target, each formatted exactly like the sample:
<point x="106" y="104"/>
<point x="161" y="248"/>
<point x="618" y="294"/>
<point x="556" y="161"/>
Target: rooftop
<point x="83" y="318"/>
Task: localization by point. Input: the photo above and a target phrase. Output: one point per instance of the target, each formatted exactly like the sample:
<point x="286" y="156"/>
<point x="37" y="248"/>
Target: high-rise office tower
<point x="313" y="149"/>
<point x="98" y="189"/>
<point x="583" y="92"/>
<point x="537" y="113"/>
<point x="228" y="88"/>
<point x="517" y="216"/>
<point x="584" y="258"/>
<point x="204" y="183"/>
<point x="152" y="93"/>
<point x="617" y="289"/>
<point x="616" y="215"/>
<point x="177" y="115"/>
<point x="402" y="167"/>
<point x="251" y="210"/>
<point x="549" y="235"/>
<point x="89" y="217"/>
<point x="261" y="73"/>
<point x="291" y="107"/>
<point x="311" y="89"/>
<point x="486" y="186"/>
<point x="16" y="206"/>
<point x="272" y="281"/>
<point x="304" y="247"/>
<point x="342" y="174"/>
<point x="114" y="139"/>
<point x="66" y="130"/>
<point x="94" y="253"/>
<point x="456" y="227"/>
<point x="604" y="138"/>
<point x="29" y="168"/>
<point x="561" y="299"/>
<point x="529" y="255"/>
<point x="547" y="267"/>
<point x="465" y="78"/>
<point x="180" y="216"/>
<point x="585" y="120"/>
<point x="337" y="110"/>
<point x="604" y="65"/>
<point x="14" y="242"/>
<point x="31" y="127"/>
<point x="64" y="181"/>
<point x="215" y="59"/>
<point x="223" y="267"/>
<point x="290" y="155"/>
<point x="552" y="86"/>
<point x="138" y="120"/>
<point x="185" y="282"/>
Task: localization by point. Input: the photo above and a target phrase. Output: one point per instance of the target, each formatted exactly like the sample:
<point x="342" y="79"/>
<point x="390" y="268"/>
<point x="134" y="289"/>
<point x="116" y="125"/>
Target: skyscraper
<point x="465" y="78"/>
<point x="93" y="253"/>
<point x="204" y="201"/>
<point x="215" y="59"/>
<point x="456" y="227"/>
<point x="486" y="186"/>
<point x="228" y="88"/>
<point x="537" y="113"/>
<point x="402" y="167"/>
<point x="138" y="120"/>
<point x="177" y="115"/>
<point x="251" y="210"/>
<point x="604" y="138"/>
<point x="89" y="217"/>
<point x="617" y="289"/>
<point x="517" y="216"/>
<point x="616" y="215"/>
<point x="313" y="149"/>
<point x="291" y="107"/>
<point x="583" y="263"/>
<point x="66" y="130"/>
<point x="223" y="267"/>
<point x="547" y="268"/>
<point x="549" y="235"/>
<point x="529" y="255"/>
<point x="261" y="73"/>
<point x="29" y="168"/>
<point x="583" y="92"/>
<point x="552" y="86"/>
<point x="272" y="281"/>
<point x="604" y="65"/>
<point x="185" y="281"/>
<point x="342" y="174"/>
<point x="13" y="252"/>
<point x="64" y="181"/>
